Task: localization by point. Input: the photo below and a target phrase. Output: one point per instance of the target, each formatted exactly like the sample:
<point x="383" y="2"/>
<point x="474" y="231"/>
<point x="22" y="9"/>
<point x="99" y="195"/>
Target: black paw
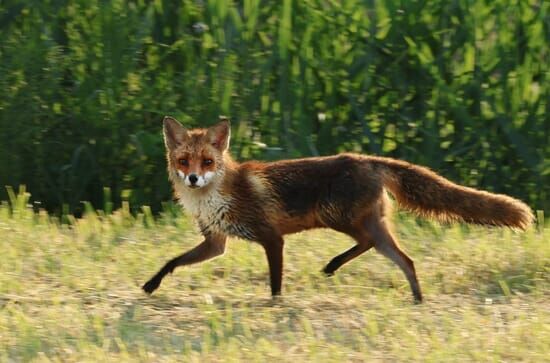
<point x="418" y="299"/>
<point x="328" y="272"/>
<point x="151" y="286"/>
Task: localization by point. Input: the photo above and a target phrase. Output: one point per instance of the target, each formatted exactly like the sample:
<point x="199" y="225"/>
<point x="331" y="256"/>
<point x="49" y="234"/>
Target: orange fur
<point x="422" y="191"/>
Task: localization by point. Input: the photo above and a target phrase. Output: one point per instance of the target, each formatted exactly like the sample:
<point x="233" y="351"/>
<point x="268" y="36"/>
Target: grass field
<point x="72" y="293"/>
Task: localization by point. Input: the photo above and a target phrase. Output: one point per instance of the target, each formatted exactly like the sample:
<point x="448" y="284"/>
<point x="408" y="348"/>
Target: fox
<point x="348" y="192"/>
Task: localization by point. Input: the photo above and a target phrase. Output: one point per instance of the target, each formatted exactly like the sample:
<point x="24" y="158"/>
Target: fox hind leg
<point x="387" y="245"/>
<point x="361" y="247"/>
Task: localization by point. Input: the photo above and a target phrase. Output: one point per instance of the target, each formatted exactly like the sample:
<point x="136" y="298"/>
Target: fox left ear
<point x="174" y="133"/>
<point x="220" y="134"/>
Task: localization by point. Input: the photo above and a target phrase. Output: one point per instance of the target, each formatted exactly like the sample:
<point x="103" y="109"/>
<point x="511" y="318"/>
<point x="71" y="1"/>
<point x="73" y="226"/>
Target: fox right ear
<point x="174" y="133"/>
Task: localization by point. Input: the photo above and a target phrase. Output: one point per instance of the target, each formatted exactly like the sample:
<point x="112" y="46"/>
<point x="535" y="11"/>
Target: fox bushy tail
<point x="422" y="191"/>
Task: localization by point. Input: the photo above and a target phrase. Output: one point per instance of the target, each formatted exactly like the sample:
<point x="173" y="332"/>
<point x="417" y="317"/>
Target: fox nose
<point x="193" y="179"/>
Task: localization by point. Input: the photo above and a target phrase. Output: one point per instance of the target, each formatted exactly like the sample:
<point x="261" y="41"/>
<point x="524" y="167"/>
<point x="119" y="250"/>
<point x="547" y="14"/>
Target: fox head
<point x="196" y="156"/>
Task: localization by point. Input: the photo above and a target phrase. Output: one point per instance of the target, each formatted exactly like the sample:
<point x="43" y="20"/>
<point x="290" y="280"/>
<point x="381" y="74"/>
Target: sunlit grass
<point x="72" y="293"/>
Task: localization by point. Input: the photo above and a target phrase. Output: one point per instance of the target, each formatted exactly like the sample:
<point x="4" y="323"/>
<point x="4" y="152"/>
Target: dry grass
<point x="73" y="294"/>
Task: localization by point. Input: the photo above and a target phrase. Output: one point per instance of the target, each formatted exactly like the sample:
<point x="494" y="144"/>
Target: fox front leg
<point x="273" y="247"/>
<point x="211" y="247"/>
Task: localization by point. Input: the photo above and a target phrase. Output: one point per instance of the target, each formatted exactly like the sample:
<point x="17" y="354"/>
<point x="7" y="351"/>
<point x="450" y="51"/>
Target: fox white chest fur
<point x="212" y="211"/>
<point x="205" y="207"/>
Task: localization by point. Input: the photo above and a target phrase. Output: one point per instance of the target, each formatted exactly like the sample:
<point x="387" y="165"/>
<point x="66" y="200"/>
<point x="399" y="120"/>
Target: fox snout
<point x="194" y="180"/>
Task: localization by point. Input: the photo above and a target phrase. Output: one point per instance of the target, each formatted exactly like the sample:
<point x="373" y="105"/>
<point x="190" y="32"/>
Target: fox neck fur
<point x="212" y="206"/>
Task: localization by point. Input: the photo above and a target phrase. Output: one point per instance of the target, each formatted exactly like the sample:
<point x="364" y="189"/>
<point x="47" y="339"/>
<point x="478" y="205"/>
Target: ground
<point x="72" y="292"/>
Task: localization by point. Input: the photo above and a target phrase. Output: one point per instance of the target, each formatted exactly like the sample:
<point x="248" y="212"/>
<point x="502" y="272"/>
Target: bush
<point x="459" y="86"/>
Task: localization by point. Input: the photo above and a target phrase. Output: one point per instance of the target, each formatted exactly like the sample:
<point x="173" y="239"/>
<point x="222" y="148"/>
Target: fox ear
<point x="219" y="134"/>
<point x="174" y="133"/>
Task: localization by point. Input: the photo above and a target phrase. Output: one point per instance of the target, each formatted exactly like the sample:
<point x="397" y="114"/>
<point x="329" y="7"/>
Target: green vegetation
<point x="71" y="292"/>
<point x="460" y="86"/>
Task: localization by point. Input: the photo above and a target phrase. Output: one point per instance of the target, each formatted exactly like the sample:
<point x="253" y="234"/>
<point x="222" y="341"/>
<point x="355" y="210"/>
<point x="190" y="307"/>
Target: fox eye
<point x="183" y="162"/>
<point x="207" y="162"/>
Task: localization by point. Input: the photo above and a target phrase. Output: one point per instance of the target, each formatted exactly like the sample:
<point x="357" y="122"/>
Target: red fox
<point x="262" y="202"/>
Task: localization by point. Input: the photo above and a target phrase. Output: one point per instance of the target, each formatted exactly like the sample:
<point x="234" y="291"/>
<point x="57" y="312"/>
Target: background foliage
<point x="461" y="86"/>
